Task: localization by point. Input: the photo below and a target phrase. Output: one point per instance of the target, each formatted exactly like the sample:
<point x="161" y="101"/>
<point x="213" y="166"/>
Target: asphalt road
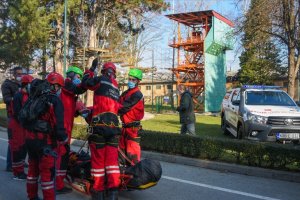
<point x="179" y="182"/>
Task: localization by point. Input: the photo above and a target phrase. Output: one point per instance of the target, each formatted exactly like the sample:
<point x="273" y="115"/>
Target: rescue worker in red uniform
<point x="9" y="88"/>
<point x="104" y="139"/>
<point x="68" y="97"/>
<point x="131" y="113"/>
<point x="17" y="140"/>
<point x="41" y="145"/>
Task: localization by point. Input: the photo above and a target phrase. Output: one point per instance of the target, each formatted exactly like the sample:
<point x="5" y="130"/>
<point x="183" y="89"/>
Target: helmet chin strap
<point x="71" y="75"/>
<point x="109" y="73"/>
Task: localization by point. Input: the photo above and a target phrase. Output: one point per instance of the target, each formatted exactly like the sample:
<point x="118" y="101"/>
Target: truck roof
<point x="261" y="87"/>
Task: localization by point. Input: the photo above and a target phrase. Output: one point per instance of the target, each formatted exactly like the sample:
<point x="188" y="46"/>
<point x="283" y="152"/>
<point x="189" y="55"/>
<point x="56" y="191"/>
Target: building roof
<point x="196" y="18"/>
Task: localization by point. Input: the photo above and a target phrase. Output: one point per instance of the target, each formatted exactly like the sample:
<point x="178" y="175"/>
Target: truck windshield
<point x="274" y="98"/>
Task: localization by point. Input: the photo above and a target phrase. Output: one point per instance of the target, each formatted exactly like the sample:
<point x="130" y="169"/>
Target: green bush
<point x="267" y="155"/>
<point x="3" y="121"/>
<point x="79" y="132"/>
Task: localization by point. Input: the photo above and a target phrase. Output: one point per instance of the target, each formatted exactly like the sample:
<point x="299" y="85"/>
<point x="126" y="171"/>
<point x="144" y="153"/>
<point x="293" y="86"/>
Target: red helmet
<point x="55" y="78"/>
<point x="26" y="79"/>
<point x="108" y="65"/>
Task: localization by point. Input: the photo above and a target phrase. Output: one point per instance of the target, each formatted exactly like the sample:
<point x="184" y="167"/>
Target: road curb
<point x="225" y="167"/>
<point x="220" y="166"/>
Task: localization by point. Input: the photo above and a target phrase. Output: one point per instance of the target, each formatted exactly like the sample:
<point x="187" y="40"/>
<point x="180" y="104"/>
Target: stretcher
<point x="141" y="176"/>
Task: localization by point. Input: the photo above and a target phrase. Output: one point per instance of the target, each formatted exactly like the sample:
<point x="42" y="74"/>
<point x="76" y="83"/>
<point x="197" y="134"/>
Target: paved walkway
<point x="148" y="116"/>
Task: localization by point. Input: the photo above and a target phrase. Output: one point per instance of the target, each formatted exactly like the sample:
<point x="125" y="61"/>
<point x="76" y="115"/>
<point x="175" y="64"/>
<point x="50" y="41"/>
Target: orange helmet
<point x="108" y="65"/>
<point x="55" y="78"/>
<point x="26" y="79"/>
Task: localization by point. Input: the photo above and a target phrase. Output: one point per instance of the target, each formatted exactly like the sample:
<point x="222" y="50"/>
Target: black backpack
<point x="36" y="105"/>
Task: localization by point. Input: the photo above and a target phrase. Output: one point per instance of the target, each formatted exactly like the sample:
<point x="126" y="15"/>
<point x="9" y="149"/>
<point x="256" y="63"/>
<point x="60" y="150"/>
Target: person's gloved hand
<point x="94" y="65"/>
<point x="76" y="81"/>
<point x="178" y="109"/>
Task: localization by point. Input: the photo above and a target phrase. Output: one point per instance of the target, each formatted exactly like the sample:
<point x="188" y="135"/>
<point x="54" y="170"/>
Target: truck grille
<point x="273" y="132"/>
<point x="284" y="121"/>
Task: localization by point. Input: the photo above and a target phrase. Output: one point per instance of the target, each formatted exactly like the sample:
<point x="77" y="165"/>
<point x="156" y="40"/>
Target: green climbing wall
<point x="218" y="40"/>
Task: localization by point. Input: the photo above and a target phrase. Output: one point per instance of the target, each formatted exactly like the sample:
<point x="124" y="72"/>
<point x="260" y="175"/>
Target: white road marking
<point x="219" y="188"/>
<point x="2" y="158"/>
<point x="4" y="139"/>
<point x="201" y="185"/>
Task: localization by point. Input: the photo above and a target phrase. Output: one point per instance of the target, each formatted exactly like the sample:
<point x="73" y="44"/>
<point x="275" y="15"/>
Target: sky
<point x="163" y="53"/>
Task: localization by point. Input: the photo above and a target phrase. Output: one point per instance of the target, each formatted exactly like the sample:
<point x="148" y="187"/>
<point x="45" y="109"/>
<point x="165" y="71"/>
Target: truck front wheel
<point x="240" y="132"/>
<point x="224" y="126"/>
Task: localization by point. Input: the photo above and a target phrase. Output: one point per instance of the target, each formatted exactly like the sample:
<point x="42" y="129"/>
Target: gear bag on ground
<point x="143" y="175"/>
<point x="146" y="173"/>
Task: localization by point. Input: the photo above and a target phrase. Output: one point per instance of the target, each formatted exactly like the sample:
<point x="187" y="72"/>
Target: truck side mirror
<point x="236" y="102"/>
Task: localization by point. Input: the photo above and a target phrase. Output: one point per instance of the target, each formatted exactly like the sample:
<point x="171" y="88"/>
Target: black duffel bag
<point x="145" y="174"/>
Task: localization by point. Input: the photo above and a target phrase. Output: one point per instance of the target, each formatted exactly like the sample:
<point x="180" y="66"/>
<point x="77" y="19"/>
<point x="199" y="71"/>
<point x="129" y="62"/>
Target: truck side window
<point x="235" y="96"/>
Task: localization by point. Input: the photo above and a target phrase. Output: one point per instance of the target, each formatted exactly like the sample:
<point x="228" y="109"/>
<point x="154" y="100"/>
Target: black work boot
<point x="113" y="194"/>
<point x="97" y="195"/>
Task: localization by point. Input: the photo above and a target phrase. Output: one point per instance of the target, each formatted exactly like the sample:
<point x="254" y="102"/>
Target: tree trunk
<point x="58" y="46"/>
<point x="292" y="72"/>
<point x="44" y="63"/>
<point x="92" y="44"/>
<point x="289" y="22"/>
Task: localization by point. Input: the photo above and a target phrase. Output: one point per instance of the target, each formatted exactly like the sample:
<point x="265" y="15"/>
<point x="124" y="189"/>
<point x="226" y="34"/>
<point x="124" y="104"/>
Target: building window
<point x="158" y="87"/>
<point x="148" y="87"/>
<point x="169" y="87"/>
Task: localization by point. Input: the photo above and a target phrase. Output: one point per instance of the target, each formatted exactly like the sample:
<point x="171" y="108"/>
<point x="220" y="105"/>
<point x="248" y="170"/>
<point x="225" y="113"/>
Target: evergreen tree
<point x="23" y="31"/>
<point x="260" y="59"/>
<point x="33" y="29"/>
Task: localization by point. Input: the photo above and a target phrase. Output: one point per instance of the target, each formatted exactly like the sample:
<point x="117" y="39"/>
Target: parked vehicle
<point x="263" y="113"/>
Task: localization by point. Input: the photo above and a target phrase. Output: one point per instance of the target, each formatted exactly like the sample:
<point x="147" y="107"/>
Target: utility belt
<point x="135" y="124"/>
<point x="101" y="139"/>
<point x="105" y="119"/>
<point x="104" y="130"/>
<point x="135" y="139"/>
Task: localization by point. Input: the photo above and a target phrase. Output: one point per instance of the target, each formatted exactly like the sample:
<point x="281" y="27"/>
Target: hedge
<point x="245" y="152"/>
<point x="3" y="121"/>
<point x="266" y="155"/>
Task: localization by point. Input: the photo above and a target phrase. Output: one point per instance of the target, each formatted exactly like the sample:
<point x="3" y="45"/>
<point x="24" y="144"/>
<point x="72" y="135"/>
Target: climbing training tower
<point x="201" y="42"/>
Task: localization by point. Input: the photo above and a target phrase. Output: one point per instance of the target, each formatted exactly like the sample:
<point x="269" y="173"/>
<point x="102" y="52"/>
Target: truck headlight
<point x="257" y="118"/>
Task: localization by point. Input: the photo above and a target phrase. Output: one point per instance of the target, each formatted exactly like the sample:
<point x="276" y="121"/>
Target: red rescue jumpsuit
<point x="68" y="98"/>
<point x="131" y="112"/>
<point x="41" y="164"/>
<point x="104" y="139"/>
<point x="17" y="140"/>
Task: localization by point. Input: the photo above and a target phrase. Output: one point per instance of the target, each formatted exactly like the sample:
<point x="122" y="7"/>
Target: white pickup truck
<point x="264" y="113"/>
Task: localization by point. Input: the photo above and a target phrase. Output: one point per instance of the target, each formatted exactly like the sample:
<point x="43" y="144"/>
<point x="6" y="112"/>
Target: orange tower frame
<point x="190" y="71"/>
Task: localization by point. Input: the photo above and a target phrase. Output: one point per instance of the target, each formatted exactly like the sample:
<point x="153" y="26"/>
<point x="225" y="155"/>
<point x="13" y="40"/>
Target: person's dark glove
<point x="178" y="109"/>
<point x="94" y="65"/>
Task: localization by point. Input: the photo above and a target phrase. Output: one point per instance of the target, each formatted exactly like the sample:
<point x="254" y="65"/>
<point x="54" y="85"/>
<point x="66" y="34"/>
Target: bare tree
<point x="285" y="29"/>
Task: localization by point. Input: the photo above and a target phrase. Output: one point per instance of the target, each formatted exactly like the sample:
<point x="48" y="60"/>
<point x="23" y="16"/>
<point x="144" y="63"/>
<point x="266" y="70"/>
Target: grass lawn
<point x="205" y="125"/>
<point x="2" y="110"/>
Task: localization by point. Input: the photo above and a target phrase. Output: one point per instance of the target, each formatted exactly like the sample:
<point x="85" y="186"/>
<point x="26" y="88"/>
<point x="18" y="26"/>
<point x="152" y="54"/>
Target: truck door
<point x="234" y="108"/>
<point x="225" y="104"/>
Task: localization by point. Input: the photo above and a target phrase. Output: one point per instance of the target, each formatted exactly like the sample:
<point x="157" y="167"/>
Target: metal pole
<point x="65" y="38"/>
<point x="298" y="81"/>
<point x="173" y="65"/>
<point x="152" y="78"/>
